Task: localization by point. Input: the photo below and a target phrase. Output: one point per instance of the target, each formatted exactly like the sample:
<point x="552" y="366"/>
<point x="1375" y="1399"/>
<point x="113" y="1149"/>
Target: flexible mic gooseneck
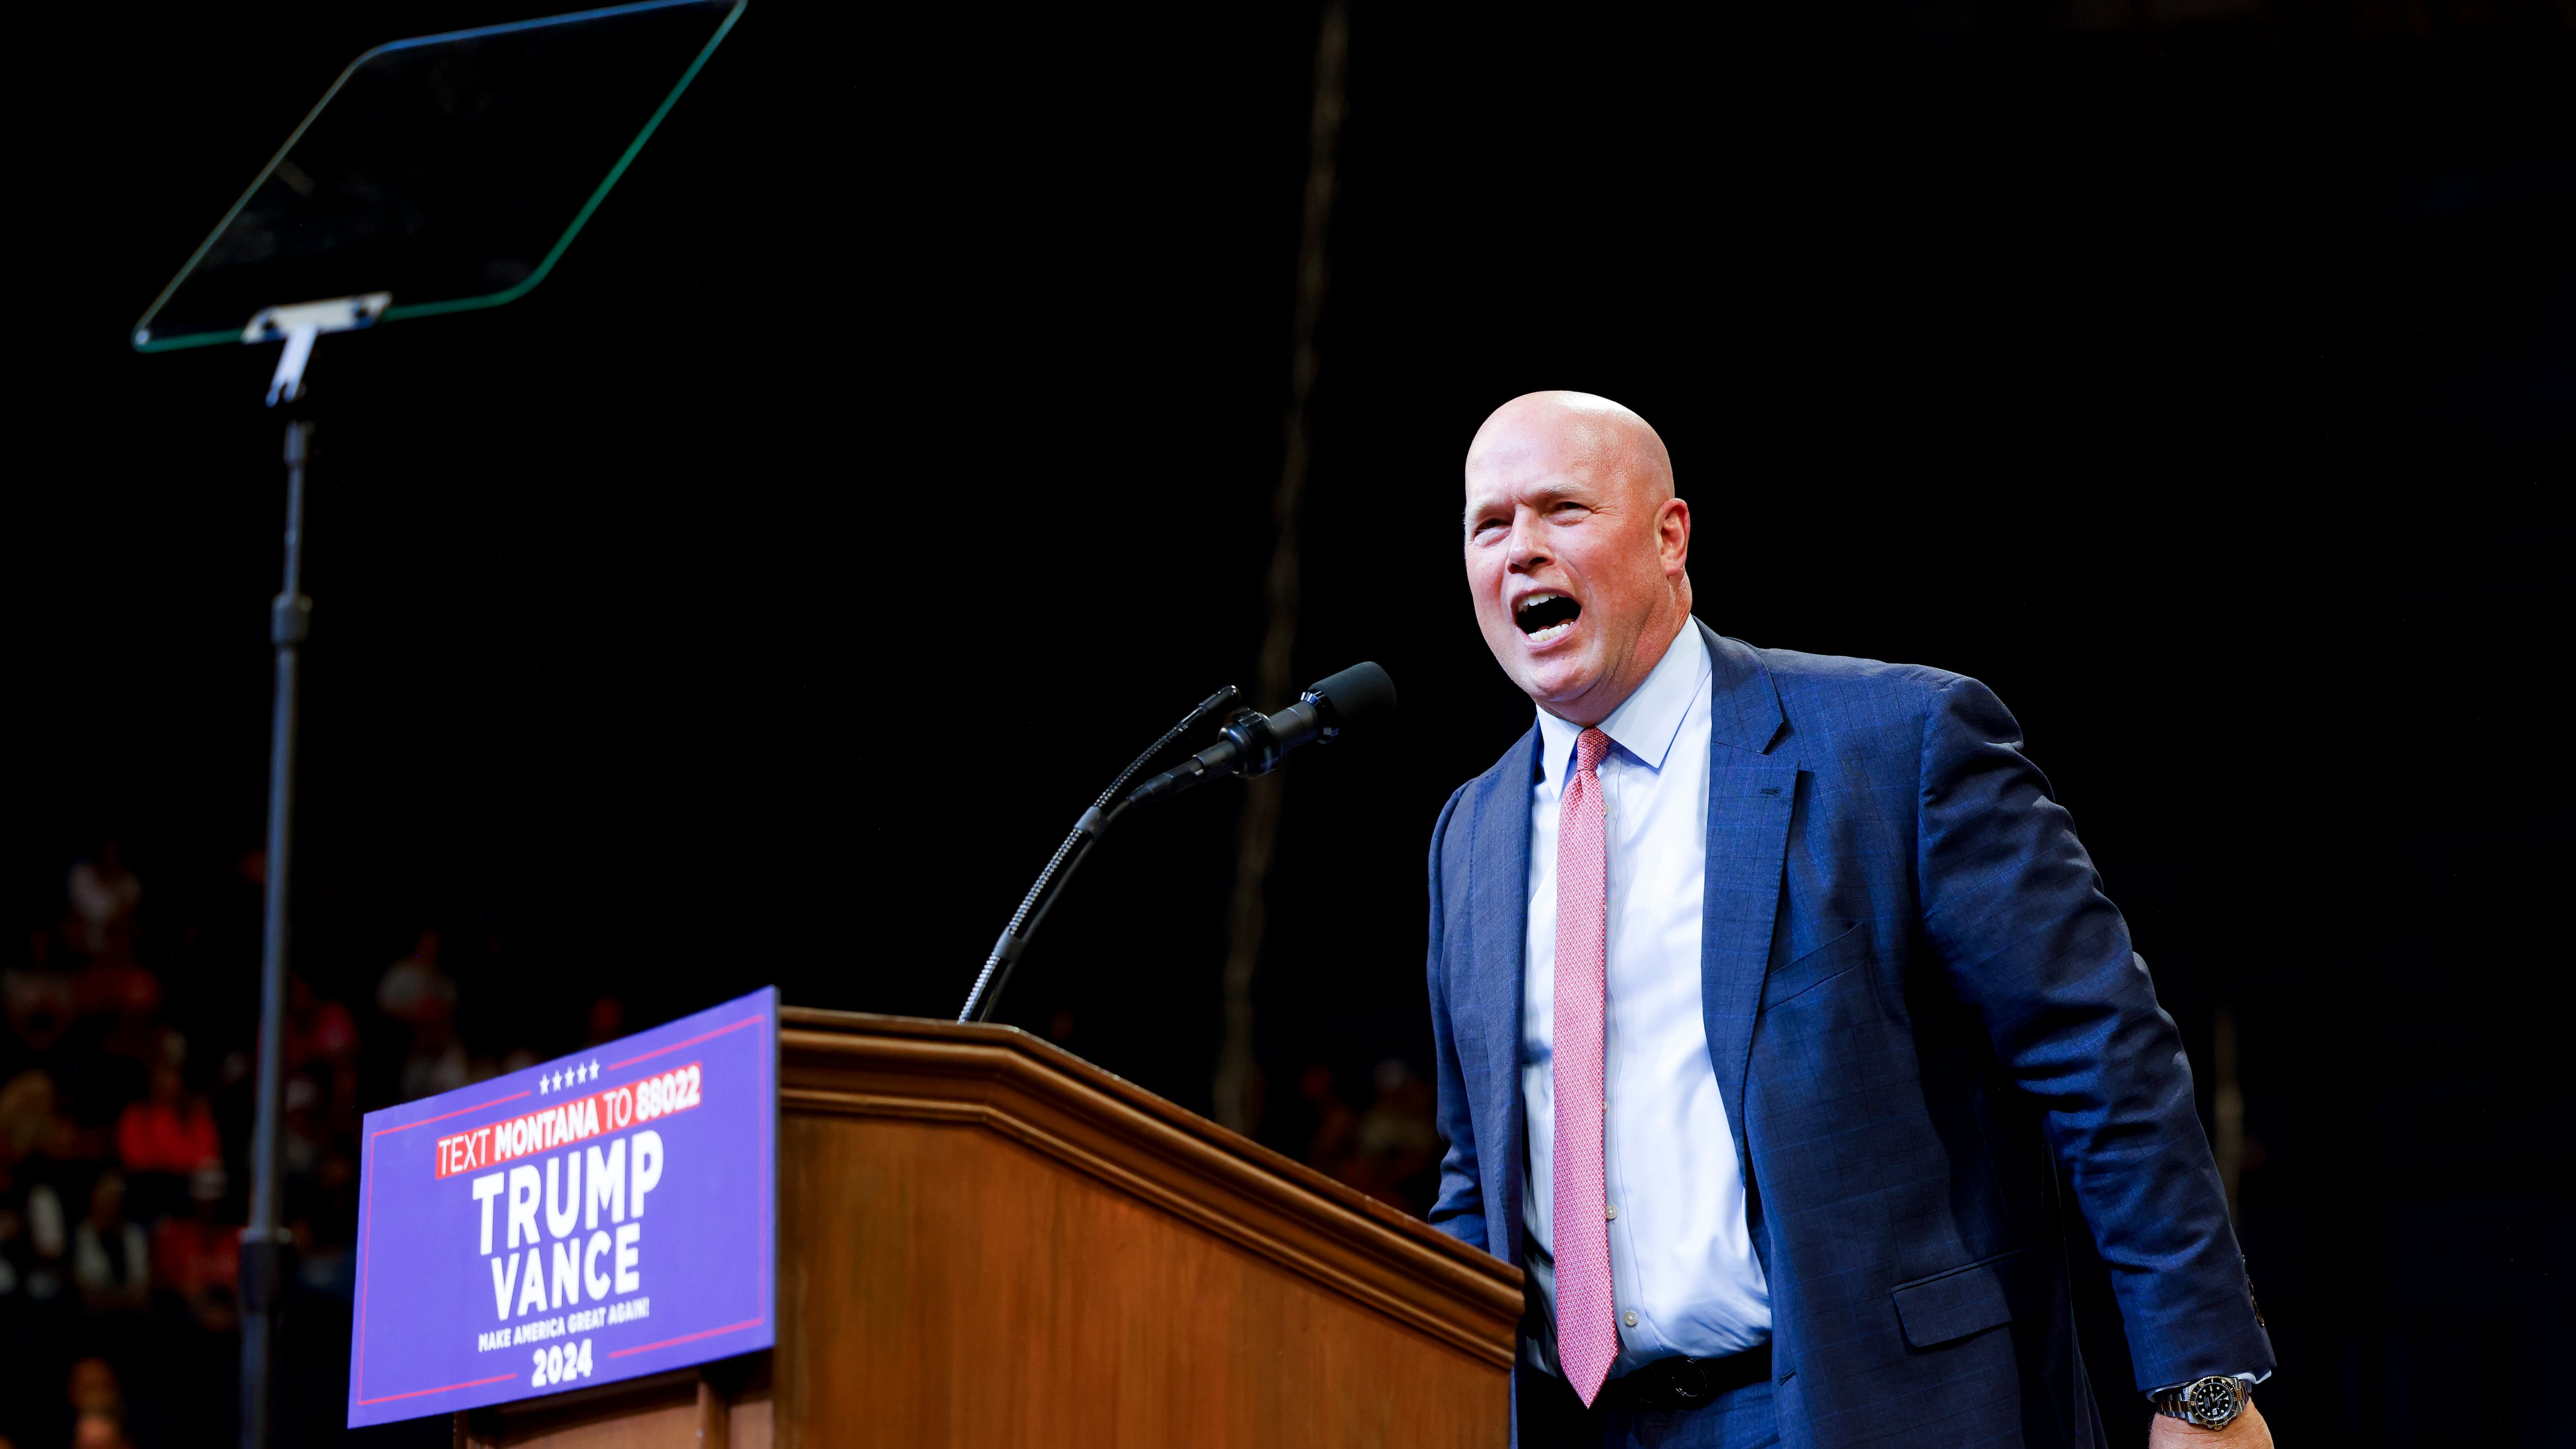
<point x="1059" y="867"/>
<point x="1251" y="743"/>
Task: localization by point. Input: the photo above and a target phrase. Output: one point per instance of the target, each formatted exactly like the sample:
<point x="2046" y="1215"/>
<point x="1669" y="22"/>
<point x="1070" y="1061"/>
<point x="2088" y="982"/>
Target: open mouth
<point x="1546" y="618"/>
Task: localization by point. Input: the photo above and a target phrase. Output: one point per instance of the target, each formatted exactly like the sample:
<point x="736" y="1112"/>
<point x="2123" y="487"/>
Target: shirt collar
<point x="1648" y="721"/>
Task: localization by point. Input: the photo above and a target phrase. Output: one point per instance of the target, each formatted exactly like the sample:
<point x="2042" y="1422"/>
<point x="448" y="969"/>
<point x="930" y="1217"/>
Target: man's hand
<point x="2246" y="1431"/>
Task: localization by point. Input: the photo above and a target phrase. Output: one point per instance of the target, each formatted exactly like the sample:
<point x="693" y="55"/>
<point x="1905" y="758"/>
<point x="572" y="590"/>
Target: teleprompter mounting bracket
<point x="298" y="325"/>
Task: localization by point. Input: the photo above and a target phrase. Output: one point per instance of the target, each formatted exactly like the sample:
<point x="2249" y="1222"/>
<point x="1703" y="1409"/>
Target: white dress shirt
<point x="1683" y="1274"/>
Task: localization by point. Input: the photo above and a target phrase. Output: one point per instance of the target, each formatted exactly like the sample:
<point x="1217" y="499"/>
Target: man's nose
<point x="1529" y="550"/>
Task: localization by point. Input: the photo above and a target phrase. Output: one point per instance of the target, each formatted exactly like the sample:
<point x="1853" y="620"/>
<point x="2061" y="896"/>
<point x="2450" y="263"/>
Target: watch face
<point x="2211" y="1400"/>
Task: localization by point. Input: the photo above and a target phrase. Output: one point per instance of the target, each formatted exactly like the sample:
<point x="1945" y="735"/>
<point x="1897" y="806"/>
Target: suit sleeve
<point x="2013" y="907"/>
<point x="1460" y="1209"/>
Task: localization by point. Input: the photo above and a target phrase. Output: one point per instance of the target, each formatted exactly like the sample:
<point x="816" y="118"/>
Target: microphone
<point x="1253" y="743"/>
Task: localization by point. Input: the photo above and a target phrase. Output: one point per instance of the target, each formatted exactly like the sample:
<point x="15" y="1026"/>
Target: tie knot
<point x="1590" y="748"/>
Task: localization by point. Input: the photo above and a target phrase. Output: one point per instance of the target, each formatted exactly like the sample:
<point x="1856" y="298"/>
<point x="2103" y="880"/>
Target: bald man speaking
<point x="1771" y="991"/>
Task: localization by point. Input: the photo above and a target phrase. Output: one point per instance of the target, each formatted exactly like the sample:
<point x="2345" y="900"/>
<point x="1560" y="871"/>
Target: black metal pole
<point x="264" y="1242"/>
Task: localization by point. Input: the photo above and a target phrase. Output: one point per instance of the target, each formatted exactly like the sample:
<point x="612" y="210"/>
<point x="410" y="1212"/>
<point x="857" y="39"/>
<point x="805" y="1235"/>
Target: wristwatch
<point x="2212" y="1403"/>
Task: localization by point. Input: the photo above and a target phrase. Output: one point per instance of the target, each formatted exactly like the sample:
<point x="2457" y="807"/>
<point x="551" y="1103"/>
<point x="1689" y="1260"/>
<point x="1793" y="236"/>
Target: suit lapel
<point x="1499" y="906"/>
<point x="1749" y="800"/>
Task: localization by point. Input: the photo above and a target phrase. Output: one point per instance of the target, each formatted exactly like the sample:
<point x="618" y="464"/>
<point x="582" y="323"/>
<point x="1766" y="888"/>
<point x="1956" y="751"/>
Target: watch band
<point x="2212" y="1402"/>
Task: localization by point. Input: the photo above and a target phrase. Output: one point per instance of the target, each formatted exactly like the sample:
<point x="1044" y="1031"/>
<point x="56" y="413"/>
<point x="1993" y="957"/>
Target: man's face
<point x="1573" y="562"/>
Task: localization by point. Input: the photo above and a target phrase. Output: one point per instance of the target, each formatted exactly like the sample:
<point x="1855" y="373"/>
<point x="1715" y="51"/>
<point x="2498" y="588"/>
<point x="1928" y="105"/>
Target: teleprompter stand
<point x="445" y="173"/>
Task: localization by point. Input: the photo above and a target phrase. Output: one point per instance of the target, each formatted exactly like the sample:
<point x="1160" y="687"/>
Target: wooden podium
<point x="985" y="1240"/>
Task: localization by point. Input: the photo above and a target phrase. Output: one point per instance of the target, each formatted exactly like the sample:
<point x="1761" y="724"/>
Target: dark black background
<point x="759" y="599"/>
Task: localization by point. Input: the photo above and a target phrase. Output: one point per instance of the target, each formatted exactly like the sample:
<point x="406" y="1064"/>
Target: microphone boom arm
<point x="1041" y="895"/>
<point x="1251" y="744"/>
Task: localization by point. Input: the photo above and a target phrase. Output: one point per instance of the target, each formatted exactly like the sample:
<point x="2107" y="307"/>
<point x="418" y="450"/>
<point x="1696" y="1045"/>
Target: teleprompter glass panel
<point x="449" y="170"/>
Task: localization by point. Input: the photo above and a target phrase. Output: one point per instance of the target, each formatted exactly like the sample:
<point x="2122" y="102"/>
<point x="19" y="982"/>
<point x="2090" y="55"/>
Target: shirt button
<point x="1628" y="1318"/>
<point x="1614" y="1213"/>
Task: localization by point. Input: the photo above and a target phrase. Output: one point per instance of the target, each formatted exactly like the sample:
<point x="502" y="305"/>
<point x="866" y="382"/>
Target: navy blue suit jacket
<point x="1919" y="1003"/>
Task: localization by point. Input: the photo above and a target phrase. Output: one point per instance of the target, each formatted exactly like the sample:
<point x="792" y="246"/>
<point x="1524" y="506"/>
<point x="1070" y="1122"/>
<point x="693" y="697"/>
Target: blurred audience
<point x="414" y="987"/>
<point x="124" y="1155"/>
<point x="42" y="1280"/>
<point x="418" y="994"/>
<point x="28" y="1125"/>
<point x="1389" y="1150"/>
<point x="607" y="1021"/>
<point x="172" y="1131"/>
<point x="317" y="1030"/>
<point x="104" y="897"/>
<point x="111" y="1262"/>
<point x="197" y="1258"/>
<point x="97" y="1406"/>
<point x="40" y="1007"/>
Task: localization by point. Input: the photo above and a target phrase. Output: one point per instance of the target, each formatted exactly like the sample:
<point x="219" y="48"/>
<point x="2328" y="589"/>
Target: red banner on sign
<point x="573" y="1120"/>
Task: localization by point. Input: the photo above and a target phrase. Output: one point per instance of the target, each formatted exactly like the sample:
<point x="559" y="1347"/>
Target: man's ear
<point x="1672" y="533"/>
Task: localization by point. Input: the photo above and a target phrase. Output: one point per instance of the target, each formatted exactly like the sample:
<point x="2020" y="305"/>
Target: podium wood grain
<point x="994" y="1242"/>
<point x="988" y="1241"/>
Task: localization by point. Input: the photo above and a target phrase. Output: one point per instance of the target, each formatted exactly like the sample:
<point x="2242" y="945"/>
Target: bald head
<point x="1575" y="430"/>
<point x="1576" y="549"/>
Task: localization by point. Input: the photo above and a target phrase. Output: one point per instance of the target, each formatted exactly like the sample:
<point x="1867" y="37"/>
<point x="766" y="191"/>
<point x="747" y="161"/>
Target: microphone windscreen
<point x="1361" y="694"/>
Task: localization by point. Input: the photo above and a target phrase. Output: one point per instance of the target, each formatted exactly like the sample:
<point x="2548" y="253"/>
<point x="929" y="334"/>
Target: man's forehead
<point x="1519" y="461"/>
<point x="1540" y="464"/>
<point x="1554" y="441"/>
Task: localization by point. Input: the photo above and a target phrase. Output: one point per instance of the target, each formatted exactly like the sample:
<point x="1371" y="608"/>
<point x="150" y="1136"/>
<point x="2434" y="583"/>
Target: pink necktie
<point x="1586" y="1338"/>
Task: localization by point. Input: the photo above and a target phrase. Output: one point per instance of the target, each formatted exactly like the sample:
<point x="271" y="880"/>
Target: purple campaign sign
<point x="597" y="1218"/>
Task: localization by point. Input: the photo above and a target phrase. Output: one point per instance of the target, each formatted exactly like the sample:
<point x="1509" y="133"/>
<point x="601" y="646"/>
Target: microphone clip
<point x="1256" y="744"/>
